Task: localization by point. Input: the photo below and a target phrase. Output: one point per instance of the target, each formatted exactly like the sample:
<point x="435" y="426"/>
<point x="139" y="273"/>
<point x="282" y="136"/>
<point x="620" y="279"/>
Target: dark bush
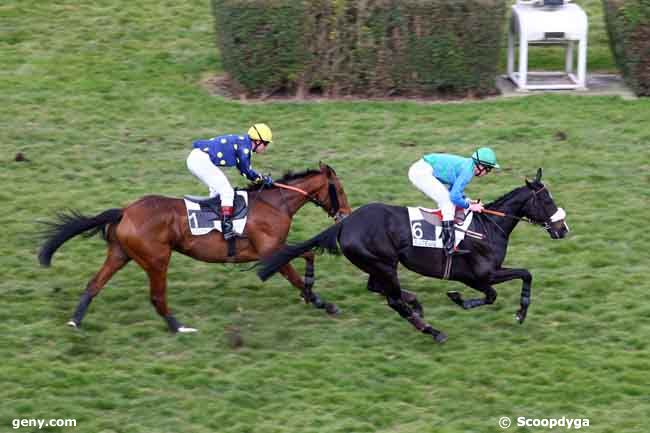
<point x="261" y="42"/>
<point x="370" y="47"/>
<point x="628" y="25"/>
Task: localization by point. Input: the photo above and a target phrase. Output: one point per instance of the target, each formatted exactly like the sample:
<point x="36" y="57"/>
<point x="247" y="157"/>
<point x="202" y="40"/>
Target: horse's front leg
<point x="310" y="279"/>
<point x="506" y="274"/>
<point x="490" y="297"/>
<point x="305" y="286"/>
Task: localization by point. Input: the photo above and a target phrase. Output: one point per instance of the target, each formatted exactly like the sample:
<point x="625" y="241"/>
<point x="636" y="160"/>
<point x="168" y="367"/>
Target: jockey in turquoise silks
<point x="443" y="178"/>
<point x="208" y="157"/>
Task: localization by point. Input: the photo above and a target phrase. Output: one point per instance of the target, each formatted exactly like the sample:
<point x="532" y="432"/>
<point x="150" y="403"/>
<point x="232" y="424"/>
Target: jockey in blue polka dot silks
<point x="208" y="157"/>
<point x="443" y="178"/>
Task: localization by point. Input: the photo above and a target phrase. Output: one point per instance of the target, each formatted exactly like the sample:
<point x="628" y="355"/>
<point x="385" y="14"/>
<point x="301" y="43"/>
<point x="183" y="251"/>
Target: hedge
<point x="362" y="47"/>
<point x="628" y="26"/>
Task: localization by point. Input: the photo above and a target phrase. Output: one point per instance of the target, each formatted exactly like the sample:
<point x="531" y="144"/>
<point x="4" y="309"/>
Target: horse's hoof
<point x="455" y="297"/>
<point x="318" y="302"/>
<point x="186" y="330"/>
<point x="440" y="337"/>
<point x="520" y="317"/>
<point x="332" y="309"/>
<point x="73" y="324"/>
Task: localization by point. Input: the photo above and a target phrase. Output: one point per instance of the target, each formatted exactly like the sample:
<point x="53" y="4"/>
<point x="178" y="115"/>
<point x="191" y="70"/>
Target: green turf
<point x="104" y="101"/>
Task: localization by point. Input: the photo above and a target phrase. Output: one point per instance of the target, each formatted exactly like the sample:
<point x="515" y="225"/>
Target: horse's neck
<point x="511" y="204"/>
<point x="295" y="200"/>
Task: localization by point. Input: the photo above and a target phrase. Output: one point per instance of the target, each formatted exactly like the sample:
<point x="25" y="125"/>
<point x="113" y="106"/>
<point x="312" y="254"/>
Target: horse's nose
<point x="339" y="217"/>
<point x="563" y="230"/>
<point x="559" y="234"/>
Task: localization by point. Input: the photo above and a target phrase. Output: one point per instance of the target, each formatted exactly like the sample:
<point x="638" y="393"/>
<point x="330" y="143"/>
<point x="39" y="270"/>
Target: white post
<point x="568" y="64"/>
<point x="523" y="58"/>
<point x="511" y="50"/>
<point x="582" y="62"/>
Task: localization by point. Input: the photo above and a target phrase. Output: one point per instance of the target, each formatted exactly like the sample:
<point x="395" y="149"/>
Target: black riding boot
<point x="226" y="222"/>
<point x="449" y="239"/>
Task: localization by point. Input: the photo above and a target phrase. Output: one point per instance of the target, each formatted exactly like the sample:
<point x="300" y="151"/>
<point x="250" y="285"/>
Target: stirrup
<point x="449" y="239"/>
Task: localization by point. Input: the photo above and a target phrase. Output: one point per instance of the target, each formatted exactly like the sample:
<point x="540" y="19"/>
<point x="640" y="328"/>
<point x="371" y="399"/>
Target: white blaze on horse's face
<point x="559" y="215"/>
<point x="557" y="227"/>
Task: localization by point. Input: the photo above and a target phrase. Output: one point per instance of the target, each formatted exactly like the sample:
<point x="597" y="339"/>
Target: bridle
<point x="522" y="218"/>
<point x="334" y="211"/>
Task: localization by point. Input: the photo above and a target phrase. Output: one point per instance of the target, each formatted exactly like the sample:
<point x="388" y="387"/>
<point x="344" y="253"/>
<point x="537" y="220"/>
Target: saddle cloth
<point x="426" y="227"/>
<point x="202" y="219"/>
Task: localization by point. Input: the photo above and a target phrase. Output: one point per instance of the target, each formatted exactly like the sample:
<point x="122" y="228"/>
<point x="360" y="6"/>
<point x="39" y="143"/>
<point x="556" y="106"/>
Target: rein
<point x="525" y="219"/>
<point x="292" y="188"/>
<point x="304" y="193"/>
<point x="505" y="215"/>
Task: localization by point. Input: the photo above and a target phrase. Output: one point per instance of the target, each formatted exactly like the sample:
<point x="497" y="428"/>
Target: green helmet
<point x="485" y="156"/>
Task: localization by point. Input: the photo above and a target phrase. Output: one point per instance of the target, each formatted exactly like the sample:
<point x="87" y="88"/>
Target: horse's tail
<point x="70" y="225"/>
<point x="326" y="240"/>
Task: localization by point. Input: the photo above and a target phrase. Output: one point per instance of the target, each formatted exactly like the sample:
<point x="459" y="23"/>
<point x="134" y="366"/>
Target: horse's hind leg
<point x="154" y="259"/>
<point x="383" y="277"/>
<point x="394" y="296"/>
<point x="116" y="258"/>
<point x="157" y="272"/>
<point x="158" y="296"/>
<point x="411" y="299"/>
<point x="408" y="297"/>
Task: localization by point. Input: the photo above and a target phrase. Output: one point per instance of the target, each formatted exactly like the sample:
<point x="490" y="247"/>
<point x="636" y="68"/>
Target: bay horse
<point x="148" y="230"/>
<point x="376" y="237"/>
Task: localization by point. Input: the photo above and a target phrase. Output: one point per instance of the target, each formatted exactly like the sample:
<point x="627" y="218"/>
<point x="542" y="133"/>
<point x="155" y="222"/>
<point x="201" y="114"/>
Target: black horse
<point x="376" y="237"/>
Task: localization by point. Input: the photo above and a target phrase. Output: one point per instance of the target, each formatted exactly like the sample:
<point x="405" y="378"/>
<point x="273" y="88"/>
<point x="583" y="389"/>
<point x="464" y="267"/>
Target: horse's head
<point x="541" y="209"/>
<point x="332" y="196"/>
<point x="322" y="188"/>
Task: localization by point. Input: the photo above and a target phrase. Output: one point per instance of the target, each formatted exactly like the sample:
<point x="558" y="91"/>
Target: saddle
<point x="204" y="215"/>
<point x="434" y="216"/>
<point x="213" y="205"/>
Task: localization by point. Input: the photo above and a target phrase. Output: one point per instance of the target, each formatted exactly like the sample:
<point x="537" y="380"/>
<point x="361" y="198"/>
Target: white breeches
<point x="200" y="165"/>
<point x="421" y="175"/>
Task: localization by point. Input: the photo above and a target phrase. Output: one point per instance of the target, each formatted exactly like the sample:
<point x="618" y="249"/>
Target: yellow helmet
<point x="260" y="131"/>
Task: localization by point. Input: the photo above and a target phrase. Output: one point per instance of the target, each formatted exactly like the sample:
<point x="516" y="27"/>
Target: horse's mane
<point x="506" y="197"/>
<point x="288" y="176"/>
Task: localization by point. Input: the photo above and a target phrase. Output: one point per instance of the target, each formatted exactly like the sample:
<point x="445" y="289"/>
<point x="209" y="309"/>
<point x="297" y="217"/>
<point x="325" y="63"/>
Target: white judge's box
<point x="548" y="22"/>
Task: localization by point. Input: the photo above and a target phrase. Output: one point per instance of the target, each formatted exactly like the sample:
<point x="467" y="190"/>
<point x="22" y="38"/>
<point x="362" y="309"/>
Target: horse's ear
<point x="326" y="168"/>
<point x="538" y="178"/>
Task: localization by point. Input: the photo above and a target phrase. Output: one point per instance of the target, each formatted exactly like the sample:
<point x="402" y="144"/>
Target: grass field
<point x="103" y="99"/>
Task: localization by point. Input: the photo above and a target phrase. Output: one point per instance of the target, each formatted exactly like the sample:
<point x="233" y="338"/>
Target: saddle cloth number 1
<point x="193" y="219"/>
